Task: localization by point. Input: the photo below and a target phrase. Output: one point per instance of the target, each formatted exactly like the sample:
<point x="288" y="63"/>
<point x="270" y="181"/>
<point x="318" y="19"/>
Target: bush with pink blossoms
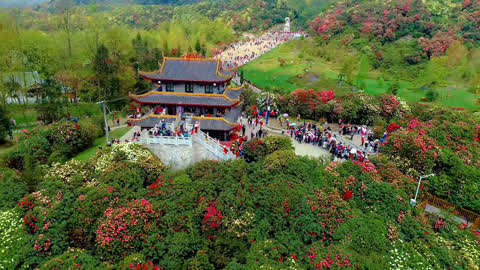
<point x="124" y="227"/>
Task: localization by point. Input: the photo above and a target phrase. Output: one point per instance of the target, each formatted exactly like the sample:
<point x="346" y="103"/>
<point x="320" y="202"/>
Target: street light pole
<point x="106" y="123"/>
<point x="413" y="201"/>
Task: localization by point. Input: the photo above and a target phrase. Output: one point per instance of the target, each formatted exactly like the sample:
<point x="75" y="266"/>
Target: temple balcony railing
<point x="166" y="140"/>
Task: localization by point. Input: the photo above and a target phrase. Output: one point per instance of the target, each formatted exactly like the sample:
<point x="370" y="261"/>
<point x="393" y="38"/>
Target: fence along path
<point x="472" y="218"/>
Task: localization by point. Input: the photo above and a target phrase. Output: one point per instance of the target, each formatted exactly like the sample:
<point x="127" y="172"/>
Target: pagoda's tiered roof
<point x="206" y="123"/>
<point x="189" y="70"/>
<point x="228" y="99"/>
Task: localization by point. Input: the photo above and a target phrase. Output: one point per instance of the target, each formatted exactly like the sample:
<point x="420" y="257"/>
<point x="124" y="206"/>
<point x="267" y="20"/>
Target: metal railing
<point x="212" y="145"/>
<point x="469" y="216"/>
<point x="167" y="140"/>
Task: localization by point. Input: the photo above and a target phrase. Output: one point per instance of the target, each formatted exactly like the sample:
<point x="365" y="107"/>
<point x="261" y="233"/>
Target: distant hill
<point x="139" y="2"/>
<point x="19" y="3"/>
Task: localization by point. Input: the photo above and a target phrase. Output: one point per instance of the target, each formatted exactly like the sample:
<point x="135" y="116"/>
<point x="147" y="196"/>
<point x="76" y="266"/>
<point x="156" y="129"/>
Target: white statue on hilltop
<point x="286" y="28"/>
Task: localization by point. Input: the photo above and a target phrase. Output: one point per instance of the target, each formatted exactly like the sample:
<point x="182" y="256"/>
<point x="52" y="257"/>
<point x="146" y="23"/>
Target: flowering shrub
<point x="330" y="212"/>
<point x="279" y="160"/>
<point x="148" y="266"/>
<point x="304" y="102"/>
<point x="54" y="143"/>
<point x="329" y="23"/>
<point x="212" y="217"/>
<point x="414" y="144"/>
<point x="254" y="150"/>
<point x="12" y="237"/>
<point x="273" y="144"/>
<point x="389" y="105"/>
<point x="125" y="227"/>
<point x="404" y="256"/>
<point x="284" y="211"/>
<point x="70" y="170"/>
<point x="330" y="257"/>
<point x="123" y="152"/>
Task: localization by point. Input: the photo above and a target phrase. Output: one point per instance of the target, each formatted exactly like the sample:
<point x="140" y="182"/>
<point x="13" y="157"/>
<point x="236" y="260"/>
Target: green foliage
<point x="12" y="189"/>
<point x="274" y="143"/>
<point x="393" y="89"/>
<point x="50" y="107"/>
<point x="70" y="259"/>
<point x="55" y="143"/>
<point x="254" y="150"/>
<point x="431" y="95"/>
<point x="4" y="124"/>
<point x="15" y="241"/>
<point x="366" y="233"/>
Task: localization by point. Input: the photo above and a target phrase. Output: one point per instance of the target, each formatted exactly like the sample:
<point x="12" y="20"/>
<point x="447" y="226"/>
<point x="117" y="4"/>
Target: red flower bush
<point x="438" y="44"/>
<point x="392" y="127"/>
<point x="125" y="227"/>
<point x="389" y="104"/>
<point x="305" y="101"/>
<point x="213" y="216"/>
<point x="328" y="258"/>
<point x="329" y="23"/>
<point x="148" y="266"/>
<point x="415" y="145"/>
<point x="347" y="195"/>
<point x="330" y="211"/>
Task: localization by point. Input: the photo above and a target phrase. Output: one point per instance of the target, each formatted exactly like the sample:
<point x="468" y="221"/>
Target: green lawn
<point x="90" y="152"/>
<point x="5" y="148"/>
<point x="304" y="71"/>
<point x="24" y="114"/>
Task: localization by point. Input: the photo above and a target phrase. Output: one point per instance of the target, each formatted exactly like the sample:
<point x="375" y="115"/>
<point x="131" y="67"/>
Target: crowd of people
<point x="323" y="136"/>
<point x="238" y="54"/>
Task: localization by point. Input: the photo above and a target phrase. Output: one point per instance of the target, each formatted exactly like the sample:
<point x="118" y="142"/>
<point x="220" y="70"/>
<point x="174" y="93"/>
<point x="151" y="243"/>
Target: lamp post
<point x="413" y="201"/>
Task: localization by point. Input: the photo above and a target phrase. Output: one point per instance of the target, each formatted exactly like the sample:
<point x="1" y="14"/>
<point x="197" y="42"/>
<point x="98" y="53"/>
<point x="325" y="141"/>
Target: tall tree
<point x="64" y="7"/>
<point x="105" y="69"/>
<point x="198" y="46"/>
<point x="50" y="107"/>
<point x="4" y="124"/>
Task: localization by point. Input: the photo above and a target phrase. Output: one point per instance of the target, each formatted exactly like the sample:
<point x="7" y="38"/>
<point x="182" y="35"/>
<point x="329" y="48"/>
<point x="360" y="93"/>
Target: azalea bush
<point x="12" y="188"/>
<point x="124" y="209"/>
<point x="124" y="228"/>
<point x="415" y="145"/>
<point x="14" y="239"/>
<point x="254" y="150"/>
<point x="126" y="152"/>
<point x="54" y="143"/>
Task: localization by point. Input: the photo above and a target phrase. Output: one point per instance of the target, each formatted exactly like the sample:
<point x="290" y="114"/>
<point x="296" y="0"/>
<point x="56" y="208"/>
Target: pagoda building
<point x="190" y="88"/>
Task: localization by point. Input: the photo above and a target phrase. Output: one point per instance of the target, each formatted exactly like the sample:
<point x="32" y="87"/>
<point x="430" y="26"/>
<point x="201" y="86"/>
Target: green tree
<point x="105" y="69"/>
<point x="4" y="124"/>
<point x="431" y="95"/>
<point x="393" y="89"/>
<point x="198" y="46"/>
<point x="50" y="106"/>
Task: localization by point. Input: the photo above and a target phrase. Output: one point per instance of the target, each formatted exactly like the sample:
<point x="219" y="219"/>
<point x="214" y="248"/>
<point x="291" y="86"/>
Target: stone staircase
<point x="212" y="145"/>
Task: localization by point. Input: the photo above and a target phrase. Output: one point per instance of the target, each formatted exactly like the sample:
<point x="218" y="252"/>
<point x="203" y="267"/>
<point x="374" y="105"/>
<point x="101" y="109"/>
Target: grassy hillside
<point x="419" y="49"/>
<point x="309" y="66"/>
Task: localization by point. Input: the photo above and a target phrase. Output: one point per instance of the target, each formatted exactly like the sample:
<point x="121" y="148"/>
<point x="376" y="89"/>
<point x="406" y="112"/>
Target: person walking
<point x="118" y="121"/>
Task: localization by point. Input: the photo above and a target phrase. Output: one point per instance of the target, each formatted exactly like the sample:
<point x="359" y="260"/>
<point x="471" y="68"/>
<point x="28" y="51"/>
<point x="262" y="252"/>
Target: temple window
<point x="189" y="88"/>
<point x="170" y="87"/>
<point x="208" y="89"/>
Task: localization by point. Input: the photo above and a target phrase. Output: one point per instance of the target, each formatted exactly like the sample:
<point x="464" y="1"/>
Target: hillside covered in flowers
<point x="122" y="209"/>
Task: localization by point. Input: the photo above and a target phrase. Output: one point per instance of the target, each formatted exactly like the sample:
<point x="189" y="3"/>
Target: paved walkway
<point x="240" y="53"/>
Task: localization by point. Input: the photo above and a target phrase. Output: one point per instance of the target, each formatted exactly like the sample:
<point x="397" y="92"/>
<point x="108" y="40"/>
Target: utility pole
<point x="268" y="109"/>
<point x="106" y="124"/>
